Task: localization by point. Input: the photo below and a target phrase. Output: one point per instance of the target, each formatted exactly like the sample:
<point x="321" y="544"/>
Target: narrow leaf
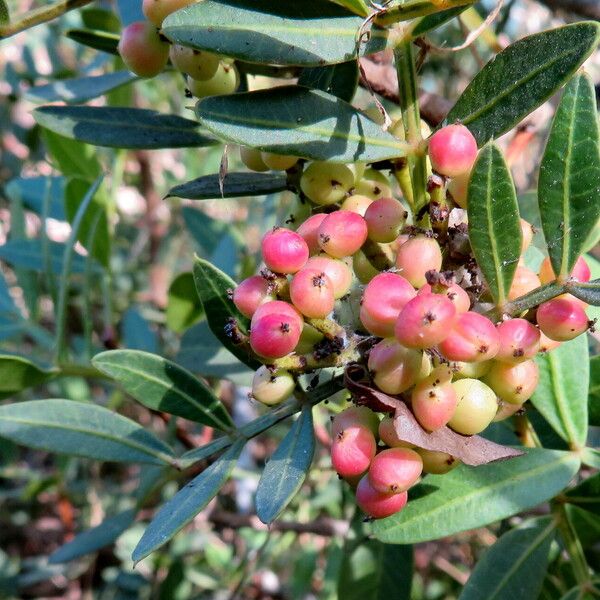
<point x="286" y="470"/>
<point x="18" y="373"/>
<point x="522" y="77"/>
<point x="587" y="494"/>
<point x="469" y="497"/>
<point x="298" y="121"/>
<point x="594" y="392"/>
<point x="435" y="20"/>
<point x="356" y="6"/>
<point x="32" y="191"/>
<point x="99" y="40"/>
<point x="569" y="182"/>
<point x="339" y="80"/>
<point x="562" y="393"/>
<point x="183" y="305"/>
<point x="187" y="503"/>
<point x="71" y="157"/>
<point x="162" y="385"/>
<point x="116" y="127"/>
<point x="80" y="429"/>
<point x="137" y="333"/>
<point x="494" y="226"/>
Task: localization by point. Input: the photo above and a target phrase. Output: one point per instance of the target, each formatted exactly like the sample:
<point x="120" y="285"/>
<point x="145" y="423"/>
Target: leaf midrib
<point x="492" y="237"/>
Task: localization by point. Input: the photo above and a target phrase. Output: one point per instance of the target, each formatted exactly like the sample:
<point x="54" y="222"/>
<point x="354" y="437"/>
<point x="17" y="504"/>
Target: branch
<point x="590" y="9"/>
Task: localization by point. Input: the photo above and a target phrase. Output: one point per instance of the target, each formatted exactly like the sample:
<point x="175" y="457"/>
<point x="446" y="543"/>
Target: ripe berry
<point x="326" y="183"/>
<point x="437" y="463"/>
<point x="562" y="319"/>
<point x="199" y="65"/>
<point x="388" y="435"/>
<point x="433" y="399"/>
<point x="355" y="416"/>
<point x="158" y="10"/>
<point x="272" y="388"/>
<point x="546" y="344"/>
<point x="452" y="150"/>
<point x="394" y="368"/>
<point x="385" y="218"/>
<point x="278" y="307"/>
<point x="472" y="339"/>
<point x="519" y="340"/>
<point x="383" y="299"/>
<point x="311" y="291"/>
<point x="425" y="321"/>
<point x="274" y="335"/>
<point x="581" y="271"/>
<point x="455" y="293"/>
<point x="513" y="383"/>
<point x="357" y="203"/>
<point x="142" y="49"/>
<point x="251" y="293"/>
<point x="279" y="162"/>
<point x="342" y="233"/>
<point x="476" y="407"/>
<point x="525" y="281"/>
<point x="352" y="451"/>
<point x="378" y="505"/>
<point x="506" y="410"/>
<point x="252" y="158"/>
<point x="373" y="184"/>
<point x="338" y="272"/>
<point x="417" y="256"/>
<point x="309" y="230"/>
<point x="395" y="470"/>
<point x="284" y="250"/>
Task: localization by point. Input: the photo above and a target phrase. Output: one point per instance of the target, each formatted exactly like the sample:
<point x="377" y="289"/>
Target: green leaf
<point x="94" y="539"/>
<point x="522" y="77"/>
<point x="162" y="385"/>
<point x="183" y="305"/>
<point x="116" y="127"/>
<point x="587" y="494"/>
<point x="137" y="333"/>
<point x="471" y="497"/>
<point x="594" y="392"/>
<point x="101" y="19"/>
<point x="339" y="80"/>
<point x="80" y="429"/>
<point x="358" y="7"/>
<point x="570" y="176"/>
<point x="80" y="89"/>
<point x="310" y="33"/>
<point x="586" y="591"/>
<point x="298" y="121"/>
<point x="4" y="13"/>
<point x="285" y="472"/>
<point x="187" y="503"/>
<point x="213" y="287"/>
<point x="99" y="40"/>
<point x="494" y="226"/>
<point x="18" y="373"/>
<point x="436" y="20"/>
<point x="515" y="566"/>
<point x="562" y="393"/>
<point x="33" y="190"/>
<point x="205" y="231"/>
<point x="72" y="158"/>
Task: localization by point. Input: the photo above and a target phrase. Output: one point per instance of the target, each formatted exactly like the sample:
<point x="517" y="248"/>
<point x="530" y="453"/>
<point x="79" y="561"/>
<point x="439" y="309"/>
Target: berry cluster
<point x="146" y="53"/>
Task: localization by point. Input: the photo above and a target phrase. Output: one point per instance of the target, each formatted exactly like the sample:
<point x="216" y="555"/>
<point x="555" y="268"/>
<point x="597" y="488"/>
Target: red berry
<point x="472" y="339"/>
<point x="513" y="383"/>
<point x="525" y="281"/>
<point x="452" y="150"/>
<point x="277" y="307"/>
<point x="378" y="505"/>
<point x="142" y="50"/>
<point x="355" y="416"/>
<point x="342" y="233"/>
<point x="311" y="291"/>
<point x="425" y="321"/>
<point x="395" y="470"/>
<point x="581" y="271"/>
<point x="389" y="436"/>
<point x="519" y="340"/>
<point x="417" y="256"/>
<point x="562" y="319"/>
<point x="352" y="451"/>
<point x="385" y="218"/>
<point x="338" y="272"/>
<point x="383" y="299"/>
<point x="455" y="293"/>
<point x="284" y="251"/>
<point x="394" y="368"/>
<point x="274" y="335"/>
<point x="309" y="230"/>
<point x="250" y="294"/>
<point x="433" y="399"/>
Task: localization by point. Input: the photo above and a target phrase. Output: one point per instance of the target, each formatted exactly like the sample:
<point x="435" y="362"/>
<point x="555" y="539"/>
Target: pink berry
<point x="284" y="251"/>
<point x="562" y="319"/>
<point x="309" y="230"/>
<point x="425" y="321"/>
<point x="519" y="340"/>
<point x="142" y="50"/>
<point x="525" y="281"/>
<point x="342" y="233"/>
<point x="311" y="291"/>
<point x="378" y="505"/>
<point x="355" y="416"/>
<point x="383" y="299"/>
<point x="417" y="256"/>
<point x="389" y="436"/>
<point x="452" y="150"/>
<point x="472" y="339"/>
<point x="357" y="204"/>
<point x="338" y="272"/>
<point x="352" y="451"/>
<point x="581" y="271"/>
<point x="433" y="399"/>
<point x="506" y="410"/>
<point x="513" y="383"/>
<point x="385" y="218"/>
<point x="251" y="293"/>
<point x="546" y="344"/>
<point x="274" y="335"/>
<point x="394" y="368"/>
<point x="395" y="470"/>
<point x="455" y="293"/>
<point x="278" y="307"/>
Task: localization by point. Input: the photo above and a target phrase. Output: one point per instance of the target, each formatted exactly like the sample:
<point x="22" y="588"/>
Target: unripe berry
<point x="527" y="233"/>
<point x="546" y="344"/>
<point x="395" y="470"/>
<point x="394" y="368"/>
<point x="308" y="338"/>
<point x="352" y="451"/>
<point x="525" y="281"/>
<point x="470" y="370"/>
<point x="452" y="150"/>
<point x="506" y="410"/>
<point x="252" y="158"/>
<point x="309" y="230"/>
<point x="373" y="184"/>
<point x="342" y="233"/>
<point x="251" y="293"/>
<point x="279" y="162"/>
<point x="388" y="435"/>
<point x="338" y="271"/>
<point x="311" y="291"/>
<point x="519" y="340"/>
<point x="378" y="505"/>
<point x="363" y="268"/>
<point x="158" y="10"/>
<point x="455" y="293"/>
<point x="225" y="81"/>
<point x="513" y="383"/>
<point x="426" y="367"/>
<point x="355" y="416"/>
<point x="199" y="65"/>
<point x="459" y="188"/>
<point x="357" y="203"/>
<point x="278" y="307"/>
<point x="562" y="319"/>
<point x="417" y="256"/>
<point x="270" y="387"/>
<point x="437" y="463"/>
<point x="385" y="218"/>
<point x="326" y="183"/>
<point x="284" y="250"/>
<point x="472" y="339"/>
<point x="383" y="299"/>
<point x="581" y="271"/>
<point x="433" y="399"/>
<point x="274" y="335"/>
<point x="142" y="49"/>
<point x="425" y="321"/>
<point x="476" y="407"/>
